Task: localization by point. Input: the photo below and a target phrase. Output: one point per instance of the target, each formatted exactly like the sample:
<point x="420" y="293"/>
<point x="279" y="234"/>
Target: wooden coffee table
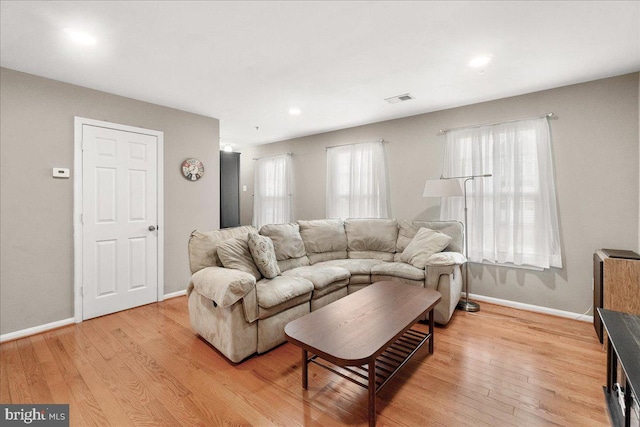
<point x="367" y="335"/>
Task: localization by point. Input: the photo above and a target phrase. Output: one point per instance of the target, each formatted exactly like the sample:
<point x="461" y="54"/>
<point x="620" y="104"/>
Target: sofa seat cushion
<point x="335" y="286"/>
<point x="273" y="292"/>
<point x="320" y="275"/>
<point x="398" y="269"/>
<point x="355" y="266"/>
<point x="360" y="279"/>
<point x="301" y="301"/>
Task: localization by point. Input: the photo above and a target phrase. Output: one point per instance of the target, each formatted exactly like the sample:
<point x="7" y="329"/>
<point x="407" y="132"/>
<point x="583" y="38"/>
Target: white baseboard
<point x="175" y="294"/>
<point x="535" y="308"/>
<point x="60" y="323"/>
<point x="36" y="330"/>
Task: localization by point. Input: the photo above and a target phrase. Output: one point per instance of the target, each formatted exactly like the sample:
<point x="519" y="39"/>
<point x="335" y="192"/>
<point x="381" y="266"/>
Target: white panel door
<point x="119" y="220"/>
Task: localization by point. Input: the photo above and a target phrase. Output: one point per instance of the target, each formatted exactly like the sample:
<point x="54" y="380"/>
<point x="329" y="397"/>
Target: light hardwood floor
<point x="145" y="366"/>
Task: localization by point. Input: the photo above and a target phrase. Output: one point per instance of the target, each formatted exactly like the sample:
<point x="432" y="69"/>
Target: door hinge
<point x="82" y="291"/>
<point x="82" y="219"/>
<point x="82" y="145"/>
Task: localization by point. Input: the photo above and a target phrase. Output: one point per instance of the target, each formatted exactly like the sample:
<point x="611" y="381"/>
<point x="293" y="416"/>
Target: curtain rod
<point x="542" y="116"/>
<point x="355" y="143"/>
<point x="288" y="153"/>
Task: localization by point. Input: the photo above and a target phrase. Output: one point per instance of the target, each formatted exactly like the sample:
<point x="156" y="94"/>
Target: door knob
<point x="152" y="228"/>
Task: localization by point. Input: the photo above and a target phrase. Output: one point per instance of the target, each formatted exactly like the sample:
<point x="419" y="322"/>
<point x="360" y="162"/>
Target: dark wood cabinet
<point x="229" y="189"/>
<point x="616" y="283"/>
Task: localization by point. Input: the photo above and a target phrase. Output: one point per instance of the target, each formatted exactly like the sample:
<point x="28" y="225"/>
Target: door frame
<point x="79" y="122"/>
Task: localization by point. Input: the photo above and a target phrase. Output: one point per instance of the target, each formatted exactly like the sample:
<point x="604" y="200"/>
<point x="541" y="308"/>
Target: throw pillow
<point x="234" y="253"/>
<point x="425" y="243"/>
<point x="264" y="255"/>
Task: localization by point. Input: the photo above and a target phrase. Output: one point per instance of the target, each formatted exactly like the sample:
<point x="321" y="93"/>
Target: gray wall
<point x="36" y="224"/>
<point x="595" y="144"/>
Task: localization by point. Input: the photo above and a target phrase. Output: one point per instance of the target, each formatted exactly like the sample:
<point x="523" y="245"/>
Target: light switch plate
<point x="61" y="173"/>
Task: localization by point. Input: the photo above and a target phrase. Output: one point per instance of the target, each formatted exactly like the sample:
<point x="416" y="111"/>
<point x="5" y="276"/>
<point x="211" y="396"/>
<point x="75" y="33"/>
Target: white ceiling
<point x="247" y="63"/>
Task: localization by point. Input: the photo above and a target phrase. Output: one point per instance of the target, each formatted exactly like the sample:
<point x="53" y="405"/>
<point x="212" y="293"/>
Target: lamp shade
<point x="442" y="188"/>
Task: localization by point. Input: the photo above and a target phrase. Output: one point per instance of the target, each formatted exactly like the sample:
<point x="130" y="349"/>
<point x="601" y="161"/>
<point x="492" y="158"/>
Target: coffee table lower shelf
<point x="387" y="364"/>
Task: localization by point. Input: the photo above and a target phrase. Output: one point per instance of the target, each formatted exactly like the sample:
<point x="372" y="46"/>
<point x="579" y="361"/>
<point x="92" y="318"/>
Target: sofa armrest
<point x="446" y="279"/>
<point x="441" y="263"/>
<point x="433" y="272"/>
<point x="224" y="286"/>
<point x="446" y="258"/>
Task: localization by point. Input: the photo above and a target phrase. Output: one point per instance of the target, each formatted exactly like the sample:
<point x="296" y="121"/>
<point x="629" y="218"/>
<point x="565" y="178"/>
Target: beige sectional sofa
<point x="240" y="312"/>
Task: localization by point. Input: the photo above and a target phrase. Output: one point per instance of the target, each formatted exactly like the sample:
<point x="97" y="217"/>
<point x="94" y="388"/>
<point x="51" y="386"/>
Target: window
<point x="273" y="191"/>
<point x="357" y="181"/>
<point x="512" y="216"/>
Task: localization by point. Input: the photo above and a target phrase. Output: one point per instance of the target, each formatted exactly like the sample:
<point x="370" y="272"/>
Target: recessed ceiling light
<point x="480" y="61"/>
<point x="80" y="37"/>
<point x="294" y="111"/>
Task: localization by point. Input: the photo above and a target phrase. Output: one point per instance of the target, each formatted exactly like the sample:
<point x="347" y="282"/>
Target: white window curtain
<point x="512" y="216"/>
<point x="357" y="181"/>
<point x="273" y="191"/>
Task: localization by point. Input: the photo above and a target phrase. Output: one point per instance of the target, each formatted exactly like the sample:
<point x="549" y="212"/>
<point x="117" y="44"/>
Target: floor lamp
<point x="450" y="187"/>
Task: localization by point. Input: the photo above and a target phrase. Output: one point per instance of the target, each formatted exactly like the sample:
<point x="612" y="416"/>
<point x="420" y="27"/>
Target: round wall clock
<point x="192" y="169"/>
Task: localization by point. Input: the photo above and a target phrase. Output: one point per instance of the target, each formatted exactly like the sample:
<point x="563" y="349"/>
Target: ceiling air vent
<point x="399" y="98"/>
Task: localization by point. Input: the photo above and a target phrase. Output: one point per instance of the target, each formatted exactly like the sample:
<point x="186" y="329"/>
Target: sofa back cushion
<point x="324" y="239"/>
<point x="288" y="244"/>
<point x="408" y="229"/>
<point x="371" y="238"/>
<point x="234" y="253"/>
<point x="203" y="246"/>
